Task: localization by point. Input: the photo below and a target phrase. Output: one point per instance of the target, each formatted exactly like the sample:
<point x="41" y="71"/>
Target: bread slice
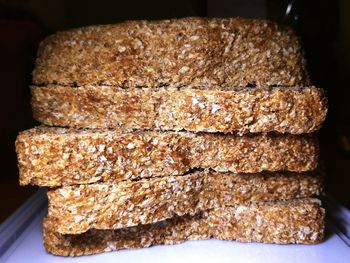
<point x="57" y="156"/>
<point x="76" y="209"/>
<point x="297" y="221"/>
<point x="281" y="109"/>
<point x="199" y="52"/>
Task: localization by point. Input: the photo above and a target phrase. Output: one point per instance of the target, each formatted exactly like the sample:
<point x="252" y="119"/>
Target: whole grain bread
<point x="197" y="76"/>
<point x="200" y="52"/>
<point x="297" y="221"/>
<point x="281" y="109"/>
<point x="58" y="156"/>
<point x="76" y="209"/>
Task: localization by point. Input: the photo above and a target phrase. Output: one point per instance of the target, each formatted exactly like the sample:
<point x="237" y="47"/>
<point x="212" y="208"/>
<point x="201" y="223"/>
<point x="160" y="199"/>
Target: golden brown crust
<point x="298" y="221"/>
<point x="243" y="110"/>
<point x="200" y="52"/>
<point x="58" y="156"/>
<point x="76" y="209"/>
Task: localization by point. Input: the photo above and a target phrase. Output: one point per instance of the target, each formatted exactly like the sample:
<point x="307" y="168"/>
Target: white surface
<point x="21" y="241"/>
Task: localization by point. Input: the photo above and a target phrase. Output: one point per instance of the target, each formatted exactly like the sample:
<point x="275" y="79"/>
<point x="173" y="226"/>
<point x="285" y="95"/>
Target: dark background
<point x="323" y="27"/>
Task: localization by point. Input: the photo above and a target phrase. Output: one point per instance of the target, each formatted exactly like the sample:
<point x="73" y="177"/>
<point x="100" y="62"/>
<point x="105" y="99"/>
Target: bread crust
<point x="58" y="156"/>
<point x="298" y="221"/>
<point x="200" y="52"/>
<point x="242" y="110"/>
<point x="76" y="209"/>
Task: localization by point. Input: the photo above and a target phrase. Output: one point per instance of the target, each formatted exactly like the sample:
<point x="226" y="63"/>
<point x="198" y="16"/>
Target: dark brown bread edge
<point x="57" y="156"/>
<point x="299" y="221"/>
<point x="244" y="110"/>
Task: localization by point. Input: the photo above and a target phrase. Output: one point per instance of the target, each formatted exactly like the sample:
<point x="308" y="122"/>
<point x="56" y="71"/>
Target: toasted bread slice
<point x="298" y="221"/>
<point x="76" y="209"/>
<point x="244" y="110"/>
<point x="59" y="156"/>
<point x="201" y="52"/>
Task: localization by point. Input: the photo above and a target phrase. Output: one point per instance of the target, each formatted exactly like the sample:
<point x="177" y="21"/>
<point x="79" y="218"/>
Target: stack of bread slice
<point x="174" y="130"/>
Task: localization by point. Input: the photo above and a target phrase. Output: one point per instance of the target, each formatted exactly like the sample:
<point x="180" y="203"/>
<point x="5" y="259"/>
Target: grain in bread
<point x="76" y="209"/>
<point x="200" y="52"/>
<point x="298" y="221"/>
<point x="197" y="76"/>
<point x="58" y="156"/>
<point x="280" y="109"/>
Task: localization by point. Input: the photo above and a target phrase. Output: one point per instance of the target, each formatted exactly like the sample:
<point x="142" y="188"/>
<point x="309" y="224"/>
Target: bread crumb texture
<point x="298" y="221"/>
<point x="202" y="52"/>
<point x="53" y="157"/>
